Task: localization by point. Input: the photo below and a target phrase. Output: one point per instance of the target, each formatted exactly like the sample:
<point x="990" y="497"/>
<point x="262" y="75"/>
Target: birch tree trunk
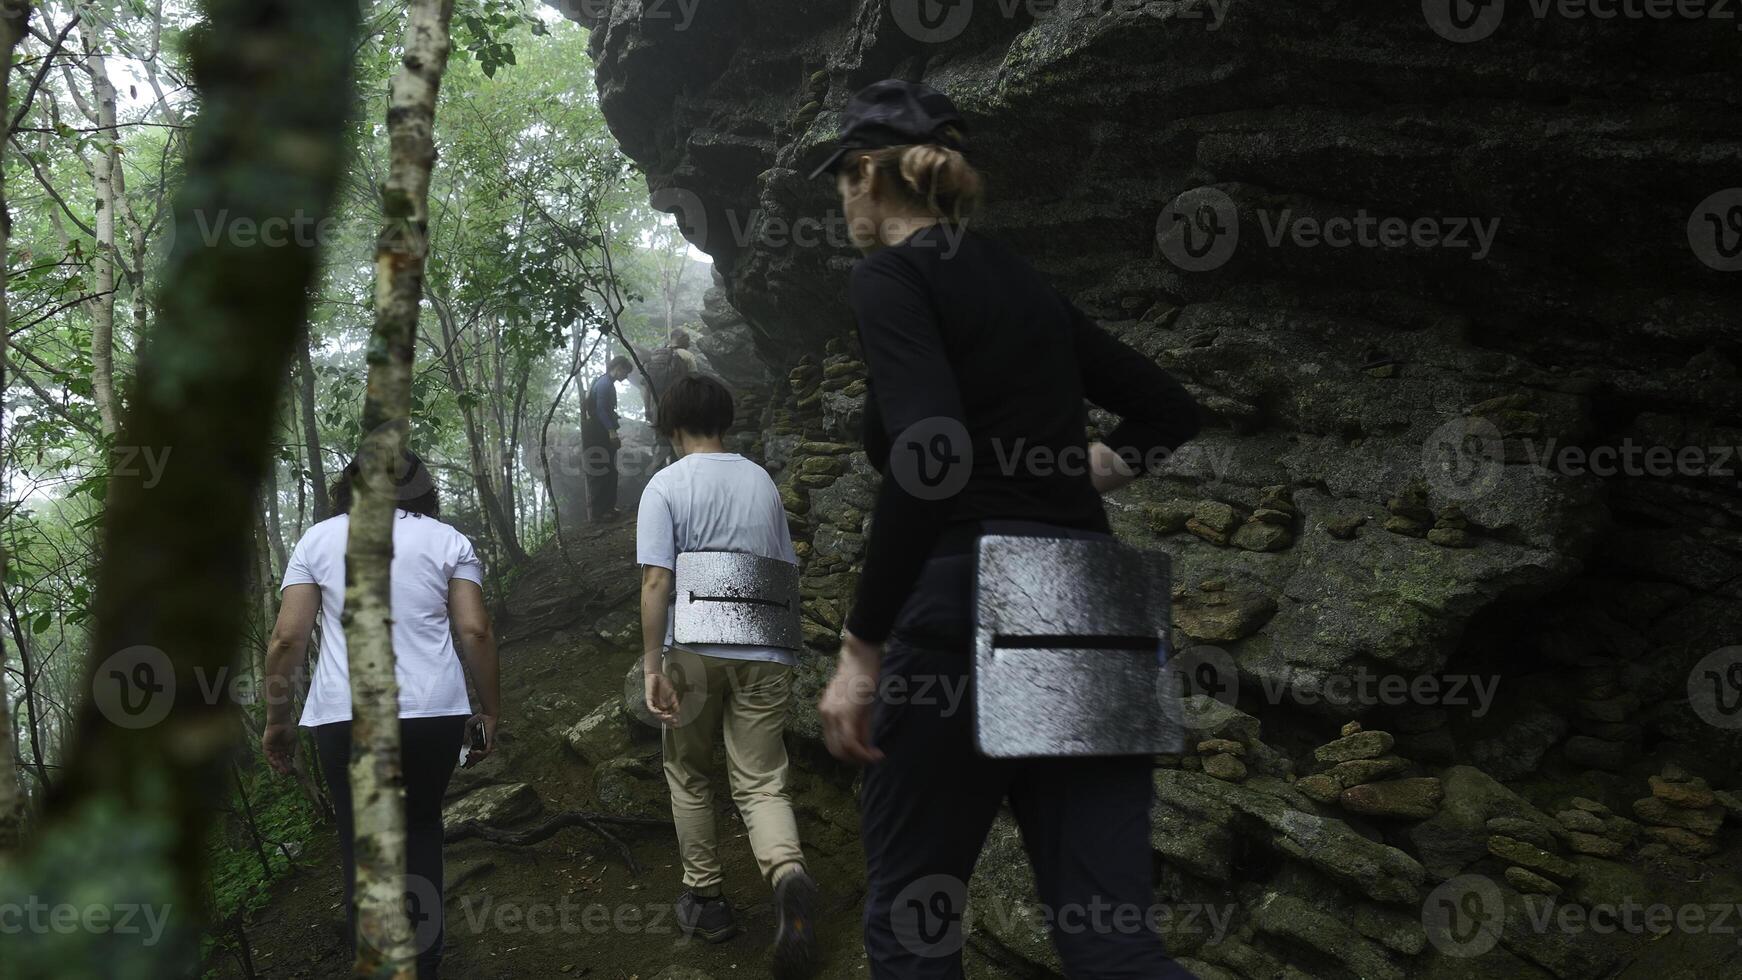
<point x="146" y="771"/>
<point x="385" y="947"/>
<point x="14" y="17"/>
<point x="103" y="173"/>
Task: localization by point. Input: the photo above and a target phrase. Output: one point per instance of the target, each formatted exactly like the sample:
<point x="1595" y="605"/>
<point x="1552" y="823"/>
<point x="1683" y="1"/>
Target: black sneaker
<point x="795" y="932"/>
<point x="707" y="919"/>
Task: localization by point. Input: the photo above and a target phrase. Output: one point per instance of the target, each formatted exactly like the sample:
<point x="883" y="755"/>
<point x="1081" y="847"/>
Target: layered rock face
<point x="1457" y="287"/>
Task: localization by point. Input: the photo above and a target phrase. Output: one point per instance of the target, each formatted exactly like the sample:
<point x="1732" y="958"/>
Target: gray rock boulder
<point x="1197" y="819"/>
<point x="495" y="806"/>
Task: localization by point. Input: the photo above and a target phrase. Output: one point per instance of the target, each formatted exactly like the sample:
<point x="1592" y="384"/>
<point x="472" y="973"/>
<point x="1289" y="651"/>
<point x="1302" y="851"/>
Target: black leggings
<point x="430" y="748"/>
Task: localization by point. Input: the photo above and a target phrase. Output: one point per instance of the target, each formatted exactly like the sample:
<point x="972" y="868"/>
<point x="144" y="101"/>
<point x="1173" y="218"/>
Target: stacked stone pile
<point x="1329" y="901"/>
<point x="1270" y="526"/>
<point x="1412" y="516"/>
<point x="1608" y="737"/>
<point x="1221" y="758"/>
<point x="1589" y="827"/>
<point x="1359" y="773"/>
<point x="1531" y="868"/>
<point x="1681" y="816"/>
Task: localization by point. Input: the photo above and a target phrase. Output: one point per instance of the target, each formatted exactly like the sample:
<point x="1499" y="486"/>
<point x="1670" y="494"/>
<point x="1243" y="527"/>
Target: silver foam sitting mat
<point x="1070" y="650"/>
<point x="746" y="600"/>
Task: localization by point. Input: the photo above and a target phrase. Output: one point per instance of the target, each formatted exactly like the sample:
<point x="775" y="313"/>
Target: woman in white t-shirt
<point x="437" y="596"/>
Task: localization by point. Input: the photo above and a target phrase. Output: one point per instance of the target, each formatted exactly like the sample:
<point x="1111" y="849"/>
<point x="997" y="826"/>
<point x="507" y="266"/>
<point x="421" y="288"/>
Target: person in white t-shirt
<point x="437" y="596"/>
<point x="713" y="500"/>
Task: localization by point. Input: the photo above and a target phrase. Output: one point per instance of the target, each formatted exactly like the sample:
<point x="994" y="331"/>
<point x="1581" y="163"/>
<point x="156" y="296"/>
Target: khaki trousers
<point x="747" y="699"/>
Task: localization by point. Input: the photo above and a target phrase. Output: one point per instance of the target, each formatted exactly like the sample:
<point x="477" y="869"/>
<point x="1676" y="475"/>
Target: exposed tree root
<point x="569" y="818"/>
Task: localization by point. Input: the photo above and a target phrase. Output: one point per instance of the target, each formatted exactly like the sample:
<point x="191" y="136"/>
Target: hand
<point x="1107" y="469"/>
<point x="847" y="702"/>
<point x="616" y="441"/>
<point x="279" y="744"/>
<point x="661" y="698"/>
<point x="486" y="724"/>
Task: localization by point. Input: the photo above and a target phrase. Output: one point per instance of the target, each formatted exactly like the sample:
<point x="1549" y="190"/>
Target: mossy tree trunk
<point x="385" y="947"/>
<point x="130" y="816"/>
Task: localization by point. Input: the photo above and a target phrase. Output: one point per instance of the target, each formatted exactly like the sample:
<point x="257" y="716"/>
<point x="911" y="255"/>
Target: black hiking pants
<point x="430" y="750"/>
<point x="927" y="807"/>
<point x="599" y="461"/>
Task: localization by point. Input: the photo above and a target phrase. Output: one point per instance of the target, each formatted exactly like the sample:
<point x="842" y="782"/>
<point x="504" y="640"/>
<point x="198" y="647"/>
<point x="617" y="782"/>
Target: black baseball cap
<point x="895" y="113"/>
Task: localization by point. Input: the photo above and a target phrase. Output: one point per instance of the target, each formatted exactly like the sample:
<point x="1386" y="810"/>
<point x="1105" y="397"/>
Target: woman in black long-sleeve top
<point x="975" y="413"/>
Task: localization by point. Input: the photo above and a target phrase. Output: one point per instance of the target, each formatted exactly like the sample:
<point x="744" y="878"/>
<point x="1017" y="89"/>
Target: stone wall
<point x="1436" y="451"/>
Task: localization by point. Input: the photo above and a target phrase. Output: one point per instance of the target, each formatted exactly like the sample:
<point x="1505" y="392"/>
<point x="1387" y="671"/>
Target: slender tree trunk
<point x="263" y="584"/>
<point x="11" y="793"/>
<point x="488" y="501"/>
<point x="270" y="521"/>
<point x="301" y="495"/>
<point x="27" y="673"/>
<point x="253" y="828"/>
<point x="103" y="175"/>
<point x="511" y="465"/>
<point x="504" y="453"/>
<point x="385" y="947"/>
<point x="137" y="243"/>
<point x="311" y="429"/>
<point x="171" y="593"/>
<point x="14" y="18"/>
